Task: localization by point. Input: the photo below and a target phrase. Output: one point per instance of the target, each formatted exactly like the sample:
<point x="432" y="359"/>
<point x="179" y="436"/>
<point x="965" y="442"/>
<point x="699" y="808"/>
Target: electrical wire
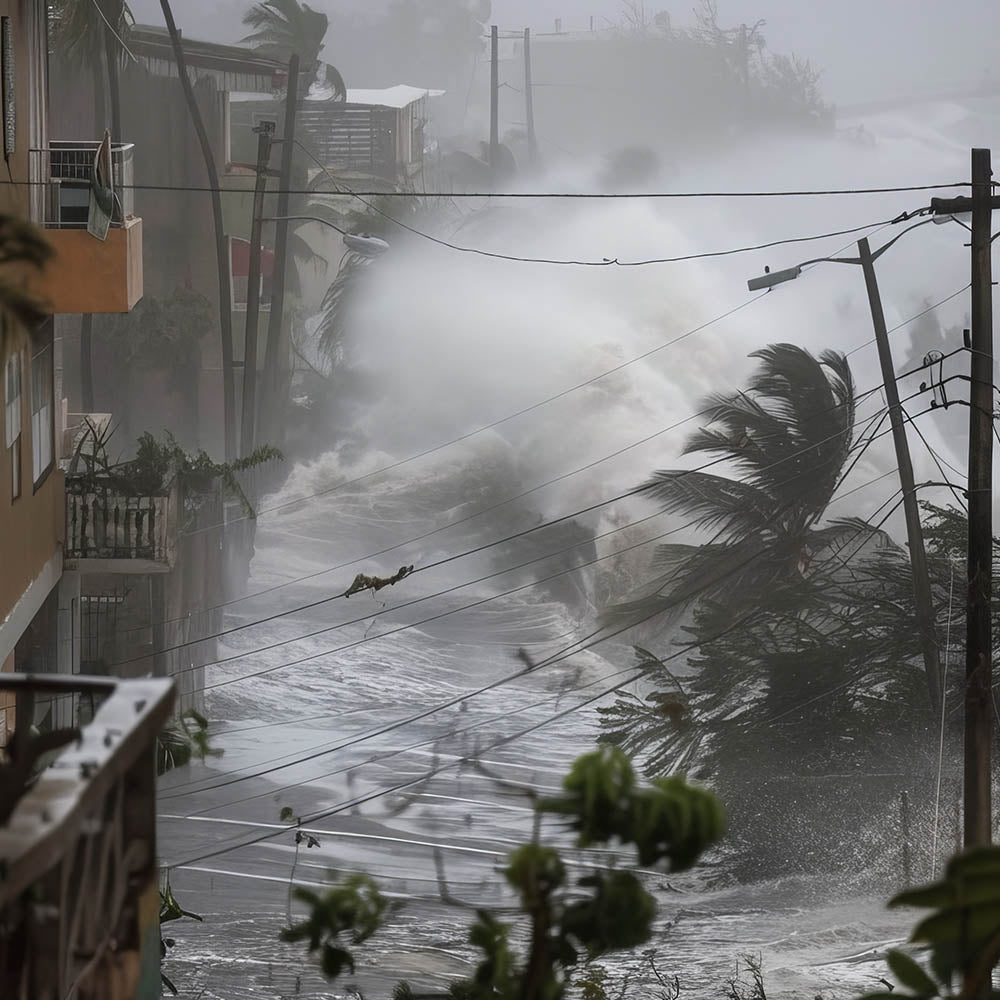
<point x="114" y="32"/>
<point x="548" y="661"/>
<point x="477" y="549"/>
<point x="403" y="785"/>
<point x="604" y="262"/>
<point x="375" y="759"/>
<point x="408" y="783"/>
<point x="944" y="697"/>
<point x="493" y="424"/>
<point x="461" y="555"/>
<point x="938" y="462"/>
<point x="532" y="195"/>
<point x="490" y="426"/>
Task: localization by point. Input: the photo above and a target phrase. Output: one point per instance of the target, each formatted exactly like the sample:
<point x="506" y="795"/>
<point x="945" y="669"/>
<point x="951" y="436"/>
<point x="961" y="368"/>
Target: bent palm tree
<point x="803" y="657"/>
<point x="286" y="27"/>
<point x="790" y="435"/>
<point x="221" y="246"/>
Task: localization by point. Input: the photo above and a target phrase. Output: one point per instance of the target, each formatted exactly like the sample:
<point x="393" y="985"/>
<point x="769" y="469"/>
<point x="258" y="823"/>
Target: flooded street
<point x="334" y="735"/>
<point x="402" y="727"/>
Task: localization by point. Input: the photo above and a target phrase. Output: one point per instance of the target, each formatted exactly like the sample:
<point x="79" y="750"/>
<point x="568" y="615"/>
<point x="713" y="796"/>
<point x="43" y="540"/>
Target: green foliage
<point x="354" y="909"/>
<point x="669" y="823"/>
<point x="159" y="463"/>
<point x="803" y="648"/>
<point x="960" y="936"/>
<point x="161" y="334"/>
<point x="176" y="745"/>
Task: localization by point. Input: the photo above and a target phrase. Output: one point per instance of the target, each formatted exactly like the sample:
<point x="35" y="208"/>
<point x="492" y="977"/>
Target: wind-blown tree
<point x="92" y="34"/>
<point x="284" y="27"/>
<point x="804" y="665"/>
<point x="221" y="245"/>
<point x="788" y="437"/>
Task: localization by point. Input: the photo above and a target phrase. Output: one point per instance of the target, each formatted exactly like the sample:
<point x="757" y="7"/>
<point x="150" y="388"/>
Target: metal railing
<point x="66" y="168"/>
<point x="103" y="522"/>
<point x="78" y="876"/>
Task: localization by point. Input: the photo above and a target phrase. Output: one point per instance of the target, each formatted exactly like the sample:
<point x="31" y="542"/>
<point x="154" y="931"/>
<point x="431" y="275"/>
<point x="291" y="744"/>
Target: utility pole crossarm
<point x="961" y="205"/>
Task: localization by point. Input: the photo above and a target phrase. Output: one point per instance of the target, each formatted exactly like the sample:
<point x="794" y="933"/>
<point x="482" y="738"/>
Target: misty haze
<point x="497" y="500"/>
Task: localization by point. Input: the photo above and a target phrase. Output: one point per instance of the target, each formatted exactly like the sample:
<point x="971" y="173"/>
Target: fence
<point x="104" y="523"/>
<point x="67" y="168"/>
<point x="79" y="902"/>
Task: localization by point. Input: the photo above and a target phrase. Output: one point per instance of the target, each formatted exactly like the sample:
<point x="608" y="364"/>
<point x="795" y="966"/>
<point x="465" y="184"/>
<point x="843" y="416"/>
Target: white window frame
<point x="42" y="408"/>
<point x="12" y="387"/>
<point x="12" y="399"/>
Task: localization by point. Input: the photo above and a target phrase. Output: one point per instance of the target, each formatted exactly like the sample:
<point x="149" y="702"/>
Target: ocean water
<point x="483" y="413"/>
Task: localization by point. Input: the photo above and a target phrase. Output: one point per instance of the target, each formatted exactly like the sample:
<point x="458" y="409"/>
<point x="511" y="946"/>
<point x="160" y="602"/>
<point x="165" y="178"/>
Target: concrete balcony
<point x="79" y="899"/>
<point x="112" y="531"/>
<point x="87" y="274"/>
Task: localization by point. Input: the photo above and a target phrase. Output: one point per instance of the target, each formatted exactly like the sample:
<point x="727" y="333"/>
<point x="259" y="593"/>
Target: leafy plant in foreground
<point x="668" y="822"/>
<point x="961" y="935"/>
<point x="354" y="909"/>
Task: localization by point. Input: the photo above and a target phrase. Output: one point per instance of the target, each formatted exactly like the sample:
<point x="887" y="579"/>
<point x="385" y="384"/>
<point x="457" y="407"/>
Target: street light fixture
<point x="771" y="278"/>
<point x="918" y="555"/>
<point x="360" y="243"/>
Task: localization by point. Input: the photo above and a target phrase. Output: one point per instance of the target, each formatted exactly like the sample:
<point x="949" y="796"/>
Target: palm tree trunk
<point x="270" y="409"/>
<point x="112" y="57"/>
<point x="86" y="363"/>
<point x="221" y="247"/>
<point x="100" y="98"/>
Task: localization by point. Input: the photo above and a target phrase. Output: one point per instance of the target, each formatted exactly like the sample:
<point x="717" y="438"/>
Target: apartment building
<point x="49" y="183"/>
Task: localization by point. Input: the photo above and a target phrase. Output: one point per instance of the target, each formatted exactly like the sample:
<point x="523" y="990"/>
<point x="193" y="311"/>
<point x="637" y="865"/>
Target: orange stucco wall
<point x="31" y="527"/>
<point x="87" y="275"/>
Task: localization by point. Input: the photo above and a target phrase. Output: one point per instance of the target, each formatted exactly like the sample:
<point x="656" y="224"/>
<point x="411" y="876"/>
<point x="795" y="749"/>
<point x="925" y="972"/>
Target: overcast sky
<point x="868" y="49"/>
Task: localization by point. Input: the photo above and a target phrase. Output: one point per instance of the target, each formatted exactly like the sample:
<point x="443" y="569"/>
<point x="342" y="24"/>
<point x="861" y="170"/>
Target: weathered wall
<point x="178" y="233"/>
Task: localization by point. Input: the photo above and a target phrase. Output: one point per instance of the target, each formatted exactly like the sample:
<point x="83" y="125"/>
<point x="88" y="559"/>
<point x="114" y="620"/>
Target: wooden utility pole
<point x="494" y="103"/>
<point x="979" y="631"/>
<point x="265" y="130"/>
<point x="275" y="322"/>
<point x="914" y="533"/>
<point x="979" y="638"/>
<point x="529" y="100"/>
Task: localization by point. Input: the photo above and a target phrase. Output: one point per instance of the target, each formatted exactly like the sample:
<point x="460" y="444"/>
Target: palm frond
<point x="739" y="568"/>
<point x="332" y="330"/>
<point x="732" y="507"/>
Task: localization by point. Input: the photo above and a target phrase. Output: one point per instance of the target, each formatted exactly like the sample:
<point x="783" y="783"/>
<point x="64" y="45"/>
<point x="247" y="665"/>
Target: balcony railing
<point x="114" y="531"/>
<point x="79" y="900"/>
<point x="67" y="168"/>
<point x="87" y="275"/>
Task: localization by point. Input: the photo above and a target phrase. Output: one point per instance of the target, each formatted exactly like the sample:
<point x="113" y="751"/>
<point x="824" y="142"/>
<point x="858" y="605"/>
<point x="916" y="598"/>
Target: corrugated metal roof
<point x="153" y="42"/>
<point x="400" y="96"/>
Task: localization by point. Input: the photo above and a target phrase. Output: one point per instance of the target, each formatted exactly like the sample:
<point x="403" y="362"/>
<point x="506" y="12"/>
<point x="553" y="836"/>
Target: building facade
<point x="93" y="268"/>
